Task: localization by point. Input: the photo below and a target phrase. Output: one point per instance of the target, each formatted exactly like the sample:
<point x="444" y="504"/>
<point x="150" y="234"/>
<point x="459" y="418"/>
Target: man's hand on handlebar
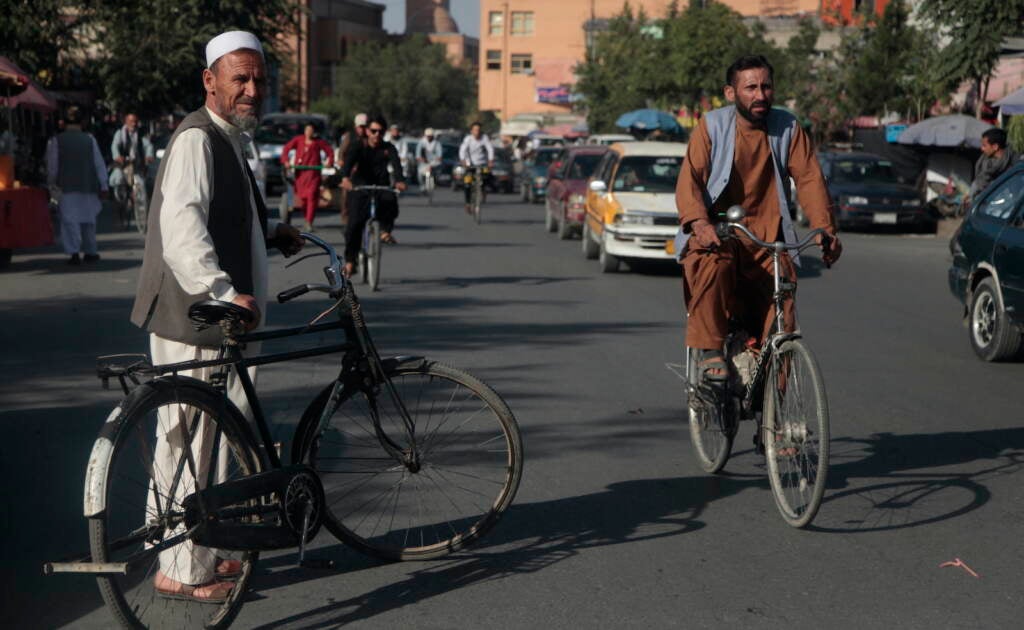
<point x="704" y="233"/>
<point x="346" y="184"/>
<point x="247" y="301"/>
<point x="831" y="248"/>
<point x="400" y="186"/>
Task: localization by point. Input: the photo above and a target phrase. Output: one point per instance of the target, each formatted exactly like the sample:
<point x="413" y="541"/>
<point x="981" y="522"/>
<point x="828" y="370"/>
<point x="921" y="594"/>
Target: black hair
<point x="476" y="123"/>
<point x="379" y="119"/>
<point x="748" y="62"/>
<point x="995" y="136"/>
<point x="73" y="116"/>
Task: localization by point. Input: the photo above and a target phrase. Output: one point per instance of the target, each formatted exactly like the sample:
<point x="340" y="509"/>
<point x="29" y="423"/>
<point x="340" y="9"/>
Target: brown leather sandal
<point x="213" y="592"/>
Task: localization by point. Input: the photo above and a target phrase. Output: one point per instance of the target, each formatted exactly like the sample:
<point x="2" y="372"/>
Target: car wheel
<point x="589" y="246"/>
<point x="563" y="229"/>
<point x="993" y="336"/>
<point x="608" y="262"/>
<point x="549" y="221"/>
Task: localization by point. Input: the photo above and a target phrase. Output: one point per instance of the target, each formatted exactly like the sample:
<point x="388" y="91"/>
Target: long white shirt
<point x="476" y="152"/>
<point x="429" y="150"/>
<point x="76" y="207"/>
<point x="187" y="190"/>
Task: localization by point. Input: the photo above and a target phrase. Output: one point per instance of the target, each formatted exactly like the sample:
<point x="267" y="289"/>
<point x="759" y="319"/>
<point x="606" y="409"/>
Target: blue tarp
<point x="1012" y="103"/>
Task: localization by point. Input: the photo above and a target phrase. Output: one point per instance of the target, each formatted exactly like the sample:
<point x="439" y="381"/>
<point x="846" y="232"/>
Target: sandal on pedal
<point x="228" y="569"/>
<point x="212" y="592"/>
<point x="387" y="238"/>
<point x="712" y="360"/>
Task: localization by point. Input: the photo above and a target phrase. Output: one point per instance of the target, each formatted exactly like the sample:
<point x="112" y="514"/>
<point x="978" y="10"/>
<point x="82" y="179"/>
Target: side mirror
<point x="598" y="186"/>
<point x="735" y="214"/>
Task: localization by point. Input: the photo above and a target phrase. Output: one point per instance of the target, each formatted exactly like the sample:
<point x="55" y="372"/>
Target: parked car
<point x="502" y="175"/>
<point x="566" y="196"/>
<point x="987" y="274"/>
<point x="540" y="140"/>
<point x="251" y="156"/>
<point x="274" y="131"/>
<point x="533" y="178"/>
<point x="866" y="192"/>
<point x="631" y="204"/>
<point x="610" y="138"/>
<point x="449" y="160"/>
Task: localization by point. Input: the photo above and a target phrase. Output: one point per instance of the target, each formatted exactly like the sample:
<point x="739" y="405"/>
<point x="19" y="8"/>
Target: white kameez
<point x="78" y="210"/>
<point x="187" y="189"/>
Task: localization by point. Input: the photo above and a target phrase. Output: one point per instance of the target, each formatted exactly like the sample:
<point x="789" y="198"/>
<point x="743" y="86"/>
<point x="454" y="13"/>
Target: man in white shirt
<point x="207" y="239"/>
<point x="428" y="156"/>
<point x="476" y="151"/>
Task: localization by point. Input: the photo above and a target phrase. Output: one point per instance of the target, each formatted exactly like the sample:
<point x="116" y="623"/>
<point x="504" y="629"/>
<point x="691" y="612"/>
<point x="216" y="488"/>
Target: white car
<point x="631" y="203"/>
<point x="610" y="138"/>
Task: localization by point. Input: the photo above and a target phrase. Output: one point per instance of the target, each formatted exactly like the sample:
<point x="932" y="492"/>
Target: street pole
<point x="506" y="60"/>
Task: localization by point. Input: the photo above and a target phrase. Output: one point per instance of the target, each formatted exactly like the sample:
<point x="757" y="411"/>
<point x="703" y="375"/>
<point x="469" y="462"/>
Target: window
<point x="1001" y="202"/>
<point x="522" y="23"/>
<point x="522" y="64"/>
<point x="494" y="60"/>
<point x="647" y="174"/>
<point x="496" y="22"/>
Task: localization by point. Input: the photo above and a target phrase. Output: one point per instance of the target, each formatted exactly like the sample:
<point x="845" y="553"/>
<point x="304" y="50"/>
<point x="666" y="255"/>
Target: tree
<point x="410" y="82"/>
<point x="39" y="36"/>
<point x="151" y="52"/>
<point x="975" y="31"/>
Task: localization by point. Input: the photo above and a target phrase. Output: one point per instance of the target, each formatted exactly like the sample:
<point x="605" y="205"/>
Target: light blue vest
<point x="721" y="124"/>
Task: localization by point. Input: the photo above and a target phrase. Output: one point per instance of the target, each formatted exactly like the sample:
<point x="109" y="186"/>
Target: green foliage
<point x="975" y="31"/>
<point x="411" y="83"/>
<point x="34" y="35"/>
<point x="1015" y="133"/>
<point x="152" y="51"/>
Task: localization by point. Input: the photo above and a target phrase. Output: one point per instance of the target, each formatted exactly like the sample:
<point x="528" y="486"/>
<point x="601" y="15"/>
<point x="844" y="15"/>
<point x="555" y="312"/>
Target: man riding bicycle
<point x="370" y="163"/>
<point x="129" y="148"/>
<point x="476" y="151"/>
<point x="428" y="156"/>
<point x="747" y="160"/>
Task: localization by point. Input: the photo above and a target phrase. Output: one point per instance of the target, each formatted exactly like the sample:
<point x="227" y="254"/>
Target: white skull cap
<point x="230" y="42"/>
<point x="360" y="120"/>
<point x="429" y="131"/>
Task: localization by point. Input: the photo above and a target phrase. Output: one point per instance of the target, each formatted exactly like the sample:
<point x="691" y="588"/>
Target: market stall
<point x="24" y="210"/>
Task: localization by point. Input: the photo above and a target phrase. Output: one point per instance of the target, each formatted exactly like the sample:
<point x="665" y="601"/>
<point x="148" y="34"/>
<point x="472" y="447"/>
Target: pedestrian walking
<point x="75" y="166"/>
<point x="310" y="151"/>
<point x="208" y="238"/>
<point x="995" y="159"/>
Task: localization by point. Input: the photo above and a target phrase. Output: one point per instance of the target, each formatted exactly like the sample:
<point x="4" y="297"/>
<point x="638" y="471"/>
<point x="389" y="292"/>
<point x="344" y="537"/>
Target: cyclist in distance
<point x="744" y="154"/>
<point x="370" y="163"/>
<point x="130" y="146"/>
<point x="476" y="151"/>
<point x="428" y="155"/>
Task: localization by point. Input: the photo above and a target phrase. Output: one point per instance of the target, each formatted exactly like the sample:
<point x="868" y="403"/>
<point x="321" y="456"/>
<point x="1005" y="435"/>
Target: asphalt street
<point x="614" y="525"/>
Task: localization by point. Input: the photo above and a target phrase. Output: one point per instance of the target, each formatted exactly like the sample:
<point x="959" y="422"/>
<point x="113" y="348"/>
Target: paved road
<point x="614" y="524"/>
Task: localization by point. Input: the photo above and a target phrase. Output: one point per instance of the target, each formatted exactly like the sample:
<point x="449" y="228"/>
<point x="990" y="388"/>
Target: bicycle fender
<point x="404" y="362"/>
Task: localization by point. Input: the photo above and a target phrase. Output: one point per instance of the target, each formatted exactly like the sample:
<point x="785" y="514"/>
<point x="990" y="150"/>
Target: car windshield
<point x="583" y="166"/>
<point x="543" y="158"/>
<point x="645" y="173"/>
<point x="502" y="155"/>
<point x="863" y="171"/>
<point x="281" y="131"/>
<point x="449" y="152"/>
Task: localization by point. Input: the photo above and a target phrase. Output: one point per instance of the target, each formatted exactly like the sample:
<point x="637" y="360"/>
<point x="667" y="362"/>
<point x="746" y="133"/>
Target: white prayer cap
<point x="429" y="131"/>
<point x="230" y="42"/>
<point x="360" y="120"/>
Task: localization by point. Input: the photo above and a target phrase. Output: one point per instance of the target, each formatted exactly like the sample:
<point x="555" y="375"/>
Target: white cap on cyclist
<point x="429" y="131"/>
<point x="360" y="120"/>
<point x="230" y="42"/>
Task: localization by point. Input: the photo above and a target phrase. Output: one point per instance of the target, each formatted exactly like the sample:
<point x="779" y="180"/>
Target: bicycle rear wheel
<point x="140" y="208"/>
<point x="477" y="202"/>
<point x="712" y="425"/>
<point x="373" y="256"/>
<point x="134" y="504"/>
<point x="471" y="460"/>
<point x="796" y="432"/>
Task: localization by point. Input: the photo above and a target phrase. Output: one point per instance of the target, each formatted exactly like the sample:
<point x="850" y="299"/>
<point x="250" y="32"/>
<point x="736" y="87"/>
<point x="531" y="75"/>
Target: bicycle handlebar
<point x="375" y="188"/>
<point x="724" y="230"/>
<point x="335" y="278"/>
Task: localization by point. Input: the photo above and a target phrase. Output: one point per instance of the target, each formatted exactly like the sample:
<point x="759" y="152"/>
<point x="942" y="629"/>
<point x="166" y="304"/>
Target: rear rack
<point x="123" y="367"/>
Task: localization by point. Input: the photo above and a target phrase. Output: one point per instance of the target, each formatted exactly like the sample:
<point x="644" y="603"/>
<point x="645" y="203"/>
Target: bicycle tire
<point x="364" y="273"/>
<point x="711" y="430"/>
<point x="430" y="189"/>
<point x="374" y="256"/>
<point x="348" y="445"/>
<point x="121" y="202"/>
<point x="118" y="472"/>
<point x="797" y="478"/>
<point x="140" y="211"/>
<point x="477" y="202"/>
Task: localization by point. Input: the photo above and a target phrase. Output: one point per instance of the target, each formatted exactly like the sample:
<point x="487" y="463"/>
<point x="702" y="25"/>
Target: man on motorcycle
<point x="428" y="156"/>
<point x="132" y="151"/>
<point x="743" y="154"/>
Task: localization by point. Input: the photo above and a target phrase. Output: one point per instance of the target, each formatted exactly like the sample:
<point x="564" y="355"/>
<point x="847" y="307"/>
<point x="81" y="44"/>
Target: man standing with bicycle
<point x="476" y="151"/>
<point x="743" y="154"/>
<point x="371" y="163"/>
<point x="208" y="239"/>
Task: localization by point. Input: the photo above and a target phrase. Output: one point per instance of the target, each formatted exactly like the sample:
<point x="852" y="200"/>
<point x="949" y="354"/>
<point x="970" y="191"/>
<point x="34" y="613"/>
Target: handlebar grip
<point x="722" y="230"/>
<point x="292" y="293"/>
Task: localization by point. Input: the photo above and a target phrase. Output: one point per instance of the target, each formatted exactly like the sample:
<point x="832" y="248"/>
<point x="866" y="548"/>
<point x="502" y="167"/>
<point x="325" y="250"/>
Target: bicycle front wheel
<point x="135" y="487"/>
<point x="140" y="209"/>
<point x="470" y="462"/>
<point x="373" y="256"/>
<point x="795" y="432"/>
<point x="712" y="427"/>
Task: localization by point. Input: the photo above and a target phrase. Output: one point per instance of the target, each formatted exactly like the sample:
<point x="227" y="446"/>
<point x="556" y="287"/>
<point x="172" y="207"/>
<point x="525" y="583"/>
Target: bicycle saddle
<point x="212" y="312"/>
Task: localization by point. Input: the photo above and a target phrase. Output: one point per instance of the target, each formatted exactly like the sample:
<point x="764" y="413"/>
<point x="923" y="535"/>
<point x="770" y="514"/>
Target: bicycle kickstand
<point x="311" y="563"/>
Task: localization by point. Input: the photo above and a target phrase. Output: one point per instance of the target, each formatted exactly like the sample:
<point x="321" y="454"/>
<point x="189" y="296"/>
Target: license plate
<point x="885" y="217"/>
<point x="670" y="247"/>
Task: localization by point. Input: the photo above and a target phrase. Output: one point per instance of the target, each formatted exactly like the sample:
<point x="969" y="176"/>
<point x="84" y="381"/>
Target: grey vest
<point x="76" y="170"/>
<point x="721" y="124"/>
<point x="161" y="305"/>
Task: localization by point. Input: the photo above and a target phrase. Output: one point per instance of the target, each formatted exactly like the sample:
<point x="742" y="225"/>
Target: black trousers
<point x="359" y="214"/>
<point x="468" y="188"/>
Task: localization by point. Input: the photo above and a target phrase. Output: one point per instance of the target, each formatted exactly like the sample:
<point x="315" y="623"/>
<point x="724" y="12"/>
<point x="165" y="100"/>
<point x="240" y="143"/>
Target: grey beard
<point x="245" y="123"/>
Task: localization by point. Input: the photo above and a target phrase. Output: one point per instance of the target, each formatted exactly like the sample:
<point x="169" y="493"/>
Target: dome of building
<point x="429" y="16"/>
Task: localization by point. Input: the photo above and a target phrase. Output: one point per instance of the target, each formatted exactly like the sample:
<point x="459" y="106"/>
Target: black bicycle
<point x="778" y="386"/>
<point x="400" y="457"/>
<point x="474" y="178"/>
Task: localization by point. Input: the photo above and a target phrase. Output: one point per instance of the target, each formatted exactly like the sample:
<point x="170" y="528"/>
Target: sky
<point x="465" y="12"/>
